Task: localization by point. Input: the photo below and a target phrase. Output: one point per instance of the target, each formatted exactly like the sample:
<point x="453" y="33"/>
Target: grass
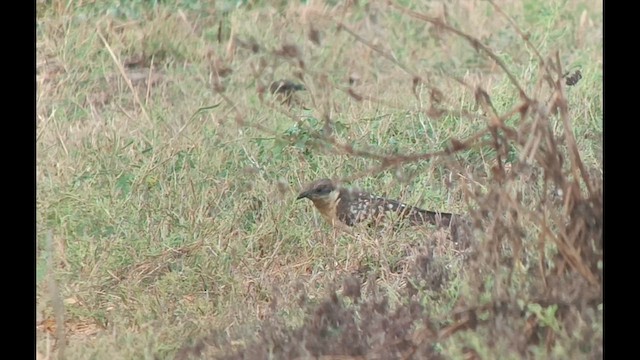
<point x="167" y="179"/>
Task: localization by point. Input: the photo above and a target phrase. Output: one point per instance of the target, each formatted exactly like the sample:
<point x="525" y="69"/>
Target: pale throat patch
<point x="327" y="204"/>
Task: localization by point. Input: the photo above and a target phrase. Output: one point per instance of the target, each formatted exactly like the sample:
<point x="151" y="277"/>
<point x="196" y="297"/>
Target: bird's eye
<point x="318" y="190"/>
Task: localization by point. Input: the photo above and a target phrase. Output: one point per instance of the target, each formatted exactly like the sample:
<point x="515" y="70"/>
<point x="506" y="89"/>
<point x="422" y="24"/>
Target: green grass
<point x="169" y="223"/>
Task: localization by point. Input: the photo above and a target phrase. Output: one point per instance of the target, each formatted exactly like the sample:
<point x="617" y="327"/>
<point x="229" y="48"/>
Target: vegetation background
<point x="167" y="173"/>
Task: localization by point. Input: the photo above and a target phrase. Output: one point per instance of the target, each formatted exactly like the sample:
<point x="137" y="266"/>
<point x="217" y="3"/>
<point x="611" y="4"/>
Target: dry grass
<point x="167" y="174"/>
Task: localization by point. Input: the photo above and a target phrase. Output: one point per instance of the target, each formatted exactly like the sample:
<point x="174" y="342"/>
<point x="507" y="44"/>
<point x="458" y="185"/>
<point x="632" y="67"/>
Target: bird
<point x="285" y="89"/>
<point x="338" y="204"/>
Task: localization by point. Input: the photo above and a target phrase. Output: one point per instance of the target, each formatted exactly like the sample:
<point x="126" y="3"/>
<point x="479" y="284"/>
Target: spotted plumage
<point x="350" y="207"/>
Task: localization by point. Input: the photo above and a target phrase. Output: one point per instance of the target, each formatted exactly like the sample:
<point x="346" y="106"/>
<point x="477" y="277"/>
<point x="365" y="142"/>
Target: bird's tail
<point x="420" y="216"/>
<point x="461" y="228"/>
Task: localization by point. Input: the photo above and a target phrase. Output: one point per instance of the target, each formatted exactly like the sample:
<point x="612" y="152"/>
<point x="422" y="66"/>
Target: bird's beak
<point x="304" y="194"/>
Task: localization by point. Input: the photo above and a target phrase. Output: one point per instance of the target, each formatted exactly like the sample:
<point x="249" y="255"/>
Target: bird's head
<point x="320" y="191"/>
